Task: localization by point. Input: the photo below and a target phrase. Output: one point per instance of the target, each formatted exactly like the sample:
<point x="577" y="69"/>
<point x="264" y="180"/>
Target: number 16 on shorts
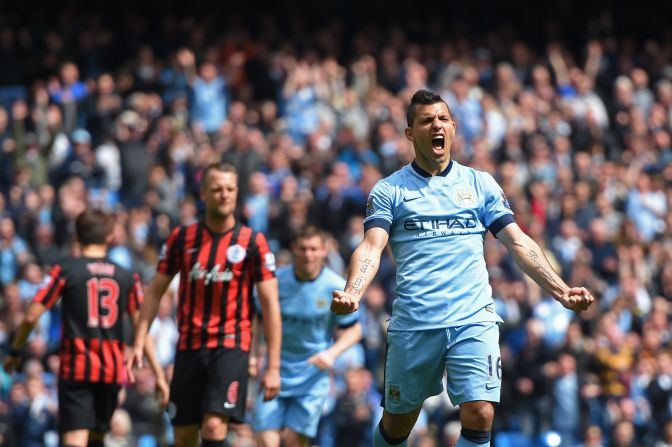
<point x="494" y="366"/>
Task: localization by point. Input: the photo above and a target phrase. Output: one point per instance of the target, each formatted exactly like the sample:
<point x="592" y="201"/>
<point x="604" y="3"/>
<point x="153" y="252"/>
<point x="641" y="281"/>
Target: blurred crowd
<point x="126" y="117"/>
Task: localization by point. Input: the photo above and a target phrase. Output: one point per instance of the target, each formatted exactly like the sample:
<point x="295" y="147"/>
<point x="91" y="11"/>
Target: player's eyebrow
<point x="432" y="115"/>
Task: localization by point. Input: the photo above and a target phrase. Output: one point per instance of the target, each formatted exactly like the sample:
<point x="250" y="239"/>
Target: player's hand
<point x="343" y="303"/>
<point x="270" y="384"/>
<point x="577" y="299"/>
<point x="11" y="363"/>
<point x="323" y="360"/>
<point x="252" y="367"/>
<point x="134" y="360"/>
<point x="162" y="391"/>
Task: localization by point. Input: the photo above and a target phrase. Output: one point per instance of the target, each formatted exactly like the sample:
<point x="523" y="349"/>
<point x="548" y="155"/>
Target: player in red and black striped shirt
<point x="95" y="292"/>
<point x="219" y="262"/>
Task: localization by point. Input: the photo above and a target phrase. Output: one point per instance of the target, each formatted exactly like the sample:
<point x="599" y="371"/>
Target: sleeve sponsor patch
<point x="269" y="261"/>
<point x="505" y="201"/>
<point x="369" y="206"/>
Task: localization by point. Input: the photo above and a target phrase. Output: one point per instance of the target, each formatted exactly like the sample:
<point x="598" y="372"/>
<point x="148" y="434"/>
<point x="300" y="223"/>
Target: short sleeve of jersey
<point x="497" y="212"/>
<point x="135" y="296"/>
<point x="170" y="257"/>
<point x="49" y="293"/>
<point x="380" y="206"/>
<point x="262" y="259"/>
<point x="344" y="321"/>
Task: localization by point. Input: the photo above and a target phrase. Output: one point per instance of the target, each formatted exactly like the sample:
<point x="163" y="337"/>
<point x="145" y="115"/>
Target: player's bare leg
<point x="395" y="428"/>
<point x="294" y="439"/>
<point x="75" y="438"/>
<point x="476" y="419"/>
<point x="214" y="429"/>
<point x="186" y="435"/>
<point x="269" y="438"/>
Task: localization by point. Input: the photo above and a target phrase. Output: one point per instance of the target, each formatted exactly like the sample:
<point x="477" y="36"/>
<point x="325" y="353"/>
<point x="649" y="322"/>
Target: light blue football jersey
<point x="437" y="227"/>
<point x="307" y="328"/>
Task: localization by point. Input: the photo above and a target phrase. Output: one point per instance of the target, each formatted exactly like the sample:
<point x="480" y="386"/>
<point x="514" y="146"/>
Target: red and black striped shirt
<point x="96" y="292"/>
<point x="217" y="276"/>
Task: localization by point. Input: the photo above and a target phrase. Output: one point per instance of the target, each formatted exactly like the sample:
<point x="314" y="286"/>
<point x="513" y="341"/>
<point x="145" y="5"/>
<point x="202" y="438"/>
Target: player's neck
<point x="218" y="224"/>
<point x="432" y="168"/>
<point x="305" y="275"/>
<point x="94" y="251"/>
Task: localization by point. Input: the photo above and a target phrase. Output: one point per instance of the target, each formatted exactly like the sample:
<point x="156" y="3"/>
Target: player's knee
<point x="398" y="426"/>
<point x="477" y="415"/>
<point x="214" y="426"/>
<point x="294" y="439"/>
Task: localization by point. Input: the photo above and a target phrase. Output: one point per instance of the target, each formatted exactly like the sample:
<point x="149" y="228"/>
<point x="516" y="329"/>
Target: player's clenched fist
<point x="577" y="299"/>
<point x="343" y="303"/>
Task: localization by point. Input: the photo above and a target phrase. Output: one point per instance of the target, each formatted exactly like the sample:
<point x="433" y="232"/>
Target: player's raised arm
<point x="531" y="259"/>
<point x="270" y="309"/>
<point x="361" y="271"/>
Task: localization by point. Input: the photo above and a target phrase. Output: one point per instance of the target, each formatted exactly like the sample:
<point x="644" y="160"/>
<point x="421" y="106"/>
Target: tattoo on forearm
<point x="534" y="257"/>
<point x="357" y="284"/>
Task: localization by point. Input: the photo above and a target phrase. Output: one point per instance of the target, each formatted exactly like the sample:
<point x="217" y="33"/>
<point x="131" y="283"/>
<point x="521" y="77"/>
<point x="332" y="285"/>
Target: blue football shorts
<point x="416" y="361"/>
<point x="300" y="414"/>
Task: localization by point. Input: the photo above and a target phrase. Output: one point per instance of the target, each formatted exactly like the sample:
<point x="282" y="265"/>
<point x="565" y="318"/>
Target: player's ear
<point x="409" y="134"/>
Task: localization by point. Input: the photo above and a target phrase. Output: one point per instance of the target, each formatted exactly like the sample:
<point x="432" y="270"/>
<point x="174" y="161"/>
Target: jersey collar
<point x="421" y="172"/>
<point x="306" y="280"/>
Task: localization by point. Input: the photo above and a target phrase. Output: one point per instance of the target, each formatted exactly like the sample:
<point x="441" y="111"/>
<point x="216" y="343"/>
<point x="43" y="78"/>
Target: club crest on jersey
<point x="394" y="392"/>
<point x="369" y="206"/>
<point x="321" y="303"/>
<point x="235" y="254"/>
<point x="464" y="197"/>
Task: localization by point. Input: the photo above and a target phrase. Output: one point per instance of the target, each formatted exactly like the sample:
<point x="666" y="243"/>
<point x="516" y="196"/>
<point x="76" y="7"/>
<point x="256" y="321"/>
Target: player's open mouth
<point x="438" y="142"/>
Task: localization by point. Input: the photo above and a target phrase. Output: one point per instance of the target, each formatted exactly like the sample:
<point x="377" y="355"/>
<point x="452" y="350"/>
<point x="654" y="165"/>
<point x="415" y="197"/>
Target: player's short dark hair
<point x="425" y="98"/>
<point x="93" y="226"/>
<point x="217" y="166"/>
<point x="311" y="231"/>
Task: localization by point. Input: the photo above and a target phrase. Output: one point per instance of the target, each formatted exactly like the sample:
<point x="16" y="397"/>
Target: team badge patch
<point x="269" y="261"/>
<point x="232" y="395"/>
<point x="465" y="197"/>
<point x="232" y="392"/>
<point x="394" y="392"/>
<point x="505" y="201"/>
<point x="369" y="206"/>
<point x="235" y="254"/>
<point x="321" y="303"/>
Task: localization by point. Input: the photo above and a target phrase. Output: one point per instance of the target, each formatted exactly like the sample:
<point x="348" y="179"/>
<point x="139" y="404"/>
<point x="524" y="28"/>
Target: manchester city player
<point x="307" y="349"/>
<point x="435" y="214"/>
